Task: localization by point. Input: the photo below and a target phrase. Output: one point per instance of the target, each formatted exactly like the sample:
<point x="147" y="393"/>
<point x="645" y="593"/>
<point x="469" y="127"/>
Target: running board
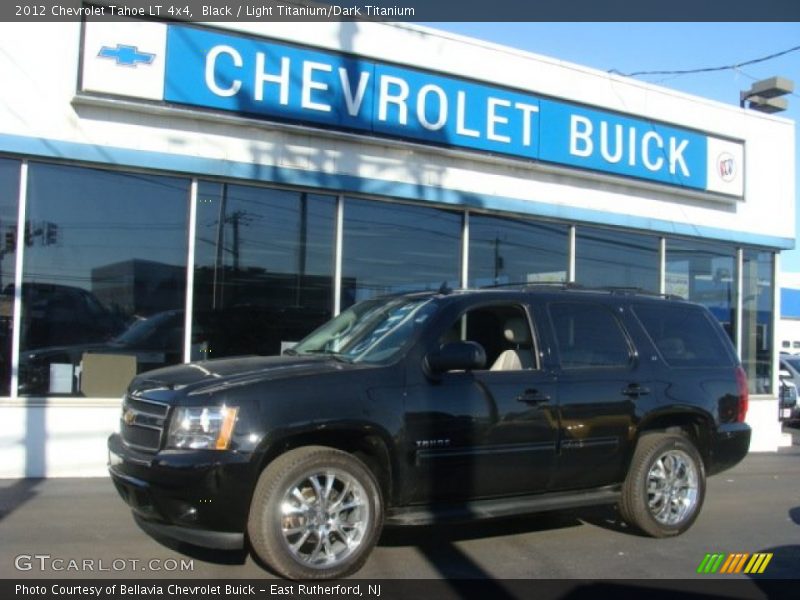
<point x="501" y="507"/>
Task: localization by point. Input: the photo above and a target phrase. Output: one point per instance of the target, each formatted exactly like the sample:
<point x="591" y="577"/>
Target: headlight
<point x="206" y="427"/>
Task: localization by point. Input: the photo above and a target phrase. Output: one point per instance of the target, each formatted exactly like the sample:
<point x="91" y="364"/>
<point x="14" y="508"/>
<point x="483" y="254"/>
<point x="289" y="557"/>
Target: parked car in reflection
<point x="54" y="314"/>
<point x="157" y="341"/>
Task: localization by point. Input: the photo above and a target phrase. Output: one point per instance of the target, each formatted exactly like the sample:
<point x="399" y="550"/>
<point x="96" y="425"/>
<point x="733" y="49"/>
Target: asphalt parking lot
<point x="754" y="507"/>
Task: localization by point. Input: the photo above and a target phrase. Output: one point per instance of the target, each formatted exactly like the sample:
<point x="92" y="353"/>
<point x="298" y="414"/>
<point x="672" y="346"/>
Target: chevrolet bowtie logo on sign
<point x="735" y="563"/>
<point x="128" y="56"/>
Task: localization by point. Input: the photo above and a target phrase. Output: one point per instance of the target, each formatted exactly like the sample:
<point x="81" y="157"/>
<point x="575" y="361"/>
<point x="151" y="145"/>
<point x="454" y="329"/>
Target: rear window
<point x="684" y="335"/>
<point x="588" y="336"/>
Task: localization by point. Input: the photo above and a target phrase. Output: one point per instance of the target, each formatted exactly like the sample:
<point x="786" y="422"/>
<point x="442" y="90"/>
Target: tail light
<point x="744" y="395"/>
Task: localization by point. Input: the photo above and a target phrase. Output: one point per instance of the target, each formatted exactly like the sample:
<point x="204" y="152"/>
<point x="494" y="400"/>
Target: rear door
<point x="600" y="382"/>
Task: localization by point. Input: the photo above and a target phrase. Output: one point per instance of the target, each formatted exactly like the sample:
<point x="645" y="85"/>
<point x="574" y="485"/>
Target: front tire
<point x="316" y="513"/>
<point x="665" y="487"/>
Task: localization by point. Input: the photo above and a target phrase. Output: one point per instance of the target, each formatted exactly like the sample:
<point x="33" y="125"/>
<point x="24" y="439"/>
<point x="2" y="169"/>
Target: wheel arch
<point x="697" y="426"/>
<point x="364" y="441"/>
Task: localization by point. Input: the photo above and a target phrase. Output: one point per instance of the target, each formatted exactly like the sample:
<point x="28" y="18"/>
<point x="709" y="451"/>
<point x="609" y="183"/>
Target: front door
<point x="486" y="432"/>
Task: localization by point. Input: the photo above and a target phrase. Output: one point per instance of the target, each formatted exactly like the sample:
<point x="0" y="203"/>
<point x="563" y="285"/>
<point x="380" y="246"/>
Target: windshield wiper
<point x="334" y="355"/>
<point x="340" y="357"/>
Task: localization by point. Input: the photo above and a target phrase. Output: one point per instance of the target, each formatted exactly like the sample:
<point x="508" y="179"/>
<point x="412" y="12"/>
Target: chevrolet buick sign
<point x="256" y="77"/>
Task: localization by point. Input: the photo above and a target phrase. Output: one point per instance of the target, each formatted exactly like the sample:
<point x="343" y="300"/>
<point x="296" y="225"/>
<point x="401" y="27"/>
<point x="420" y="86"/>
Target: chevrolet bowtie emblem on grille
<point x="129" y="416"/>
<point x="128" y="56"/>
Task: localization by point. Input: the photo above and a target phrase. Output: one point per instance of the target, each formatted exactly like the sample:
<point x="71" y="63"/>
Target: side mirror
<point x="456" y="356"/>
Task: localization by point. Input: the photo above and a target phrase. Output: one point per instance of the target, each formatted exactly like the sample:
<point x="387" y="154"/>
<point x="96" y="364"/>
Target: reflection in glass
<point x="704" y="272"/>
<point x="9" y="194"/>
<point x="263" y="268"/>
<point x="757" y="310"/>
<point x="372" y="331"/>
<point x="395" y="247"/>
<point x="103" y="250"/>
<point x="614" y="258"/>
<point x="504" y="250"/>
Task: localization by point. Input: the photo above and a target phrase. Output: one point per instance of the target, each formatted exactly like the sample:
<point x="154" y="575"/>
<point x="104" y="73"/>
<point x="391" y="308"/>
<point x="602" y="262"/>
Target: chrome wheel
<point x="672" y="487"/>
<point x="324" y="517"/>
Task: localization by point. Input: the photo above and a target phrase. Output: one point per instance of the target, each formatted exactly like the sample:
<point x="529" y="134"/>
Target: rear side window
<point x="684" y="335"/>
<point x="588" y="335"/>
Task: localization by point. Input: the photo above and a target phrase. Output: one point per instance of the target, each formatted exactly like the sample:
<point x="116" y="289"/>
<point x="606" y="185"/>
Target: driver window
<point x="504" y="333"/>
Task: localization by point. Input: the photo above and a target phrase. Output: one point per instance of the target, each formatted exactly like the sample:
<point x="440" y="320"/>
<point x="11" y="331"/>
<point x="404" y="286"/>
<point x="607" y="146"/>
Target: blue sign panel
<point x="257" y="77"/>
<point x="282" y="82"/>
<point x="432" y="108"/>
<point x="287" y="83"/>
<point x="612" y="143"/>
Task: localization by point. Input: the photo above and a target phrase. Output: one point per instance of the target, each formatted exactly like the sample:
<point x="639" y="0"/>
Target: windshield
<point x="147" y="331"/>
<point x="793" y="362"/>
<point x="371" y="331"/>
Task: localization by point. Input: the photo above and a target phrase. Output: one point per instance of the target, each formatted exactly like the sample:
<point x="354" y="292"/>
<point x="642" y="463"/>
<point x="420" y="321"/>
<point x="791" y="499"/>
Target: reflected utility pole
<point x="216" y="299"/>
<point x="498" y="261"/>
<point x="302" y="252"/>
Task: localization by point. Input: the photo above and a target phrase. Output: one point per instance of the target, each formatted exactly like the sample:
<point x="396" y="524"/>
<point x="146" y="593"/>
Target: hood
<point x="204" y="377"/>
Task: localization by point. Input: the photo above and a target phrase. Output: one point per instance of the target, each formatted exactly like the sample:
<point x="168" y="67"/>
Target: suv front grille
<point x="142" y="423"/>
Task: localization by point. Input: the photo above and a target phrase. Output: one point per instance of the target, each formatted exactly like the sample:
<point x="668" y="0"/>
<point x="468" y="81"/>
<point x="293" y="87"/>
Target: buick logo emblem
<point x="726" y="167"/>
<point x="129" y="417"/>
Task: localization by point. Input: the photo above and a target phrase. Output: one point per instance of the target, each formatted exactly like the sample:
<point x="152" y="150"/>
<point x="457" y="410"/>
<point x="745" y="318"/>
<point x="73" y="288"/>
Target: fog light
<point x="114" y="459"/>
<point x="187" y="513"/>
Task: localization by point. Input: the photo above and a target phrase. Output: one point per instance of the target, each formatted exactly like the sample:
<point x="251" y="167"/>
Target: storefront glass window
<point x="104" y="279"/>
<point x="503" y="250"/>
<point x="395" y="247"/>
<point x="704" y="272"/>
<point x="616" y="259"/>
<point x="9" y="194"/>
<point x="757" y="309"/>
<point x="263" y="268"/>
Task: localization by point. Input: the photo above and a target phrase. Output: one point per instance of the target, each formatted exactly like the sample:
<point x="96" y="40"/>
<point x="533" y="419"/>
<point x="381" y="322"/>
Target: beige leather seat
<point x="516" y="332"/>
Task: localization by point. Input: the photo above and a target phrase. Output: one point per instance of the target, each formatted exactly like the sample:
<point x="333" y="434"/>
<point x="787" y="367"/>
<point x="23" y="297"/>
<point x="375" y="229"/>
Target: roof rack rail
<point x="623" y="289"/>
<point x="528" y="284"/>
<point x="569" y="285"/>
<point x="444" y="289"/>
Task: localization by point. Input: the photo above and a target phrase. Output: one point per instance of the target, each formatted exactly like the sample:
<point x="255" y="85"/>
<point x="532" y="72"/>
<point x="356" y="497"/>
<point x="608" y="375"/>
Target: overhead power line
<point x="708" y="69"/>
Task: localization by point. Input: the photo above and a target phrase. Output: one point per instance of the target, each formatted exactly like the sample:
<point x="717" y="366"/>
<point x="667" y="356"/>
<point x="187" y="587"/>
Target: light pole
<point x="766" y="95"/>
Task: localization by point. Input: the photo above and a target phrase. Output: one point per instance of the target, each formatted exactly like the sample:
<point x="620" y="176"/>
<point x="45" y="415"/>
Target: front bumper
<point x="197" y="496"/>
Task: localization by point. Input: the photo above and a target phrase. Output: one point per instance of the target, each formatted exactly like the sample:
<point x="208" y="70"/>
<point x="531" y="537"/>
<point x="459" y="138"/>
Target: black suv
<point x="415" y="408"/>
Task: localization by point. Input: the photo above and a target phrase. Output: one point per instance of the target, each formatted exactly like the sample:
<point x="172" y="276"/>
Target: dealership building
<point x="173" y="192"/>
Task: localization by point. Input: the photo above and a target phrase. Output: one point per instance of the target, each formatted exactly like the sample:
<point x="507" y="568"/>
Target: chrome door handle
<point x="635" y="390"/>
<point x="533" y="397"/>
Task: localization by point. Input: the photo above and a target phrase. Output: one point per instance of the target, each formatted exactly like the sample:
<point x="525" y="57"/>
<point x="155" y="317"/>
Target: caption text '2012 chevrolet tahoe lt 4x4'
<point x="416" y="408"/>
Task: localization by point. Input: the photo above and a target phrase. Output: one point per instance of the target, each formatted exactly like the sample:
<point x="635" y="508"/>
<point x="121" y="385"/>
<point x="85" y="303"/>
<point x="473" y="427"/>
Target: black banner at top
<point x="405" y="10"/>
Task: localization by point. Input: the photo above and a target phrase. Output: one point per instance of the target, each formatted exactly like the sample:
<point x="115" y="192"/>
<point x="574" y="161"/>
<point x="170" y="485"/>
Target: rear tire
<point x="316" y="513"/>
<point x="665" y="486"/>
